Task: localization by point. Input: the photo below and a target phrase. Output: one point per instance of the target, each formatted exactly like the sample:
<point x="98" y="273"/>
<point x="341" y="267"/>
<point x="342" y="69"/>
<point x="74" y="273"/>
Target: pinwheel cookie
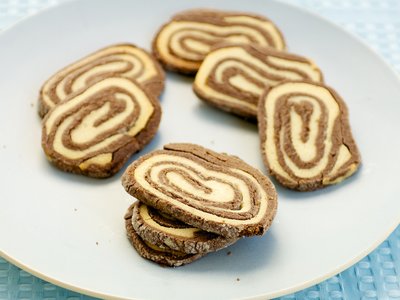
<point x="124" y="60"/>
<point x="182" y="44"/>
<point x="305" y="135"/>
<point x="162" y="255"/>
<point x="167" y="232"/>
<point x="232" y="77"/>
<point x="211" y="191"/>
<point x="96" y="129"/>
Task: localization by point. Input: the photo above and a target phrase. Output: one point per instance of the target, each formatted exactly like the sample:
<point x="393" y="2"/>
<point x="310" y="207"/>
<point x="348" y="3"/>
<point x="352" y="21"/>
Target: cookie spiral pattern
<point x="211" y="191"/>
<point x="167" y="232"/>
<point x="182" y="44"/>
<point x="95" y="130"/>
<point x="122" y="60"/>
<point x="233" y="77"/>
<point x="305" y="136"/>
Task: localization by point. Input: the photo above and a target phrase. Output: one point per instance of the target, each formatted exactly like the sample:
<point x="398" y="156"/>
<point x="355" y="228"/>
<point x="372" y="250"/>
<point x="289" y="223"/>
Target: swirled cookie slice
<point x="305" y="136"/>
<point x="182" y="44"/>
<point x="95" y="130"/>
<point x="208" y="190"/>
<point x="233" y="77"/>
<point x="167" y="232"/>
<point x="163" y="256"/>
<point x="124" y="60"/>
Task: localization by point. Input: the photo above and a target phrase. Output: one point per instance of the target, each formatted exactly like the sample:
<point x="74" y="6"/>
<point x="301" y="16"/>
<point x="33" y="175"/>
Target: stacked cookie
<point x="242" y="67"/>
<point x="193" y="201"/>
<point x="101" y="109"/>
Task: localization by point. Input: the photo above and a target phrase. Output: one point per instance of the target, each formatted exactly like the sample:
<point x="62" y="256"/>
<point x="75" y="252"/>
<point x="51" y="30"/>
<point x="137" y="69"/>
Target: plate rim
<point x="280" y="293"/>
<point x="284" y="291"/>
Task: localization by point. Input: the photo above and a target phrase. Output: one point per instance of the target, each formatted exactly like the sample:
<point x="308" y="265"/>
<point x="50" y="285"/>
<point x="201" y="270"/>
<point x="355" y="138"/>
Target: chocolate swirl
<point x="305" y="135"/>
<point x="167" y="232"/>
<point x="233" y="77"/>
<point x="118" y="60"/>
<point x="95" y="130"/>
<point x="182" y="44"/>
<point x="214" y="192"/>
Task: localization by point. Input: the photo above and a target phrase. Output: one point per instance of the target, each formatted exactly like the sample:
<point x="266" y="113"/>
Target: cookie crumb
<point x="238" y="279"/>
<point x="32" y="104"/>
<point x="229" y="253"/>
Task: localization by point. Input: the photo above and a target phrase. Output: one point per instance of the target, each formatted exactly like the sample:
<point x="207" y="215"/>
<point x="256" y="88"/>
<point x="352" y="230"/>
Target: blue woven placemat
<point x="377" y="276"/>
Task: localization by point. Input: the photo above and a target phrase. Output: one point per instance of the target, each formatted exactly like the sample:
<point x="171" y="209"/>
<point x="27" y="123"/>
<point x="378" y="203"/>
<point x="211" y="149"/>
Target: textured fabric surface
<point x="377" y="276"/>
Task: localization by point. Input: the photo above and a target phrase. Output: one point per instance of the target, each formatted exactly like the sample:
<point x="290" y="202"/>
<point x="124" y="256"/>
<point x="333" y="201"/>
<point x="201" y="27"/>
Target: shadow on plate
<point x="186" y="79"/>
<point x="287" y="194"/>
<point x="215" y="116"/>
<point x="246" y="255"/>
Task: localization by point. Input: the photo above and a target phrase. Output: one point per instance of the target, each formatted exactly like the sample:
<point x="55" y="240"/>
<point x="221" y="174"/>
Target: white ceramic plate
<point x="69" y="229"/>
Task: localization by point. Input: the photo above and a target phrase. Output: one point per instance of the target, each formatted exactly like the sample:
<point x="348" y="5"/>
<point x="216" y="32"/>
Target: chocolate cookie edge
<point x="153" y="255"/>
<point x="177" y="243"/>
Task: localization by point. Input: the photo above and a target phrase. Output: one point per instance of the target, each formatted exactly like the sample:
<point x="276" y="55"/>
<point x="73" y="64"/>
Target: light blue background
<point x="377" y="276"/>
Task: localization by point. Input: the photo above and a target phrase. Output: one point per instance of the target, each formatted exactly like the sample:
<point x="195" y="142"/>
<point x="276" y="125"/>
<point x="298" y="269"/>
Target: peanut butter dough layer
<point x="232" y="77"/>
<point x="183" y="42"/>
<point x="96" y="129"/>
<point x="215" y="192"/>
<point x="305" y="135"/>
<point x="118" y="60"/>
